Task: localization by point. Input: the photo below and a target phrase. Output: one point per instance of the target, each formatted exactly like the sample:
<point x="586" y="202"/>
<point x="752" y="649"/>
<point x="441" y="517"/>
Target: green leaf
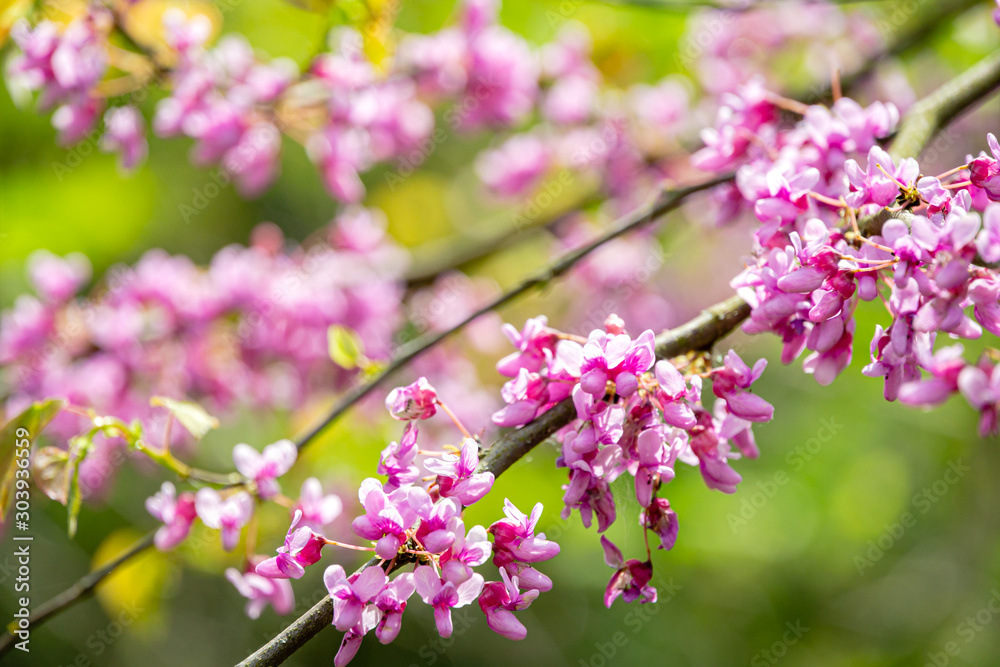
<point x="32" y="421"/>
<point x="346" y="348"/>
<point x="192" y="416"/>
<point x="79" y="448"/>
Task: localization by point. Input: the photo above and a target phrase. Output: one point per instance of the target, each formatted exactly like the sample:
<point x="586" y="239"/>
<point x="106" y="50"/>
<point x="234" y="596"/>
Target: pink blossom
<point x="391" y="601"/>
<point x="318" y="509"/>
<point x="266" y="466"/>
<point x="525" y="396"/>
<point x="414" y="401"/>
<point x="713" y="455"/>
<point x="55" y="278"/>
<point x="74" y="120"/>
<point x="388" y="516"/>
<point x="444" y="596"/>
<point x="351" y="594"/>
<point x="368" y="620"/>
<point x="731" y="383"/>
<point x="177" y="515"/>
<point x="662" y="520"/>
<point x="534" y="343"/>
<point x="981" y="387"/>
<point x="261" y="591"/>
<point x="988" y="240"/>
<point x="615" y="358"/>
<point x="515" y="166"/>
<point x="227" y="514"/>
<point x="125" y="133"/>
<point x="437" y="531"/>
<point x="671" y="396"/>
<point x="514" y="538"/>
<point x="301" y="549"/>
<point x="985" y="171"/>
<point x="655" y="463"/>
<point x="255" y="159"/>
<point x="396" y="460"/>
<point x="592" y="496"/>
<point x="499" y="601"/>
<point x="878" y="185"/>
<point x="457" y="477"/>
<point x="631" y="581"/>
<point x="465" y="553"/>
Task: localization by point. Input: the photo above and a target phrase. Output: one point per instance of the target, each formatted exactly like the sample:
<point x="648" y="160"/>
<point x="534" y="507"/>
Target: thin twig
<point x="664" y="202"/>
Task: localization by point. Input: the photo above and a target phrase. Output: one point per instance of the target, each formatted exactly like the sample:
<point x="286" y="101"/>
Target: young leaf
<point x="79" y="448"/>
<point x="192" y="416"/>
<point x="52" y="473"/>
<point x="35" y="418"/>
<point x="346" y="348"/>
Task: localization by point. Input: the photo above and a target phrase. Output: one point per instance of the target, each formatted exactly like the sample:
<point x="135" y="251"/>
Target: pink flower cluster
<point x="408" y="521"/>
<point x="634" y="415"/>
<point x="727" y="48"/>
<point x="249" y="329"/>
<point x="933" y="265"/>
<point x="223" y="99"/>
<point x="65" y="66"/>
<point x="352" y="114"/>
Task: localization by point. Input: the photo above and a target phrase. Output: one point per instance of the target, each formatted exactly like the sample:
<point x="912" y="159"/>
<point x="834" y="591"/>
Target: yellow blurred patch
<point x="414" y="205"/>
<point x="10" y="12"/>
<point x="64" y="12"/>
<point x="133" y="594"/>
<point x="144" y="22"/>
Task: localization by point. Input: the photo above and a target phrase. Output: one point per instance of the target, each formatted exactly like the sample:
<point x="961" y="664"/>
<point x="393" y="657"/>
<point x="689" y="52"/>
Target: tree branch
<point x="698" y="334"/>
<point x="78" y="592"/>
<point x="945" y="104"/>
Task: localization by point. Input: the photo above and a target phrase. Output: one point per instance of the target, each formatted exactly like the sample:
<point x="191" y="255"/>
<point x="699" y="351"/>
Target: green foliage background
<point x="810" y="538"/>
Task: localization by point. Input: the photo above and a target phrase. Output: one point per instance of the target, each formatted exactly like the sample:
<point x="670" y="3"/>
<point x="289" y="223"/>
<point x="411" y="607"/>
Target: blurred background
<point x="866" y="534"/>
